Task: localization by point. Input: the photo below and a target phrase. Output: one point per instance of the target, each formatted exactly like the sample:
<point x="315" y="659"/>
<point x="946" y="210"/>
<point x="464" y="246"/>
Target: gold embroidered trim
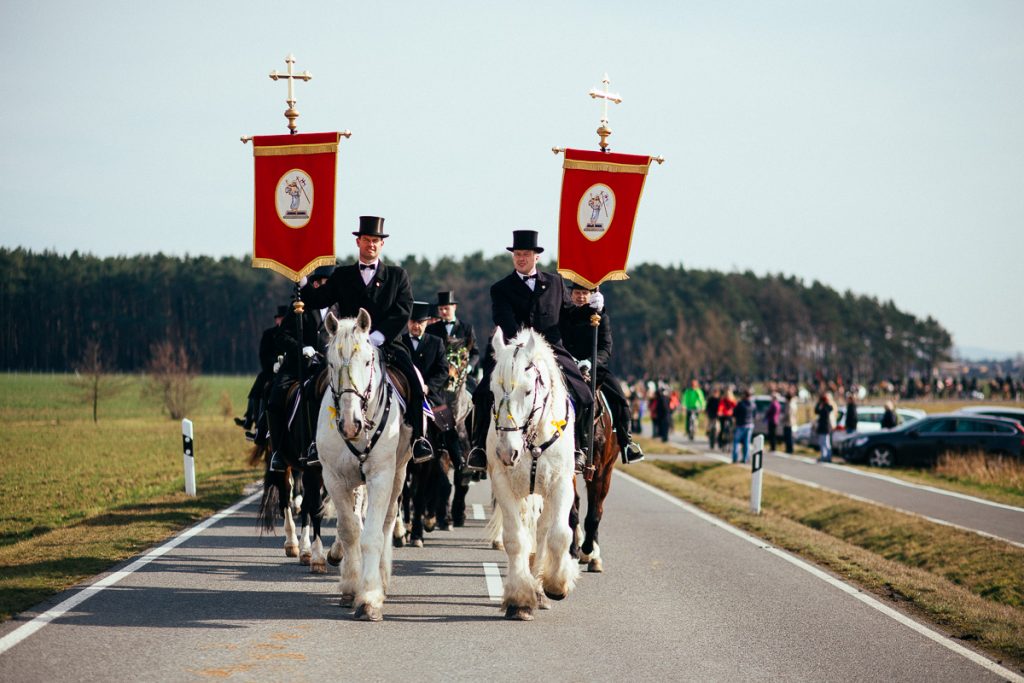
<point x="579" y="279"/>
<point x="575" y="164"/>
<point x="282" y="269"/>
<point x="288" y="150"/>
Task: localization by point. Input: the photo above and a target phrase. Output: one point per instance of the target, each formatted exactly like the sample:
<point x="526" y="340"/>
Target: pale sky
<point x="875" y="146"/>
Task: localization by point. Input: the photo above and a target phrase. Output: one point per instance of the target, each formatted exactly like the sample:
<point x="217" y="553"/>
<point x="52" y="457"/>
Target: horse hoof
<point x="497" y="545"/>
<point x="334" y="561"/>
<point x="368" y="613"/>
<point x="417" y="543"/>
<point x="291" y="551"/>
<point x="554" y="596"/>
<point x="429" y="523"/>
<point x="347" y="600"/>
<point x="595" y="566"/>
<point x="517" y="613"/>
<point x="305" y="558"/>
<point x="543" y="602"/>
<point x="318" y="567"/>
<point x="398" y="541"/>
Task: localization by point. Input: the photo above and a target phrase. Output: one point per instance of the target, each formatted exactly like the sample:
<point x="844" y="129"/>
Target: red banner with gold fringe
<point x="600" y="197"/>
<point x="295" y="180"/>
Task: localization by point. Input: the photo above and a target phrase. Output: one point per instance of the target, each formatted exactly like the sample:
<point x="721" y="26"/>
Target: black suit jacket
<point x="514" y="305"/>
<point x="287" y="340"/>
<point x="429" y="357"/>
<point x="388" y="299"/>
<point x="461" y="331"/>
<point x="268" y="350"/>
<point x="578" y="335"/>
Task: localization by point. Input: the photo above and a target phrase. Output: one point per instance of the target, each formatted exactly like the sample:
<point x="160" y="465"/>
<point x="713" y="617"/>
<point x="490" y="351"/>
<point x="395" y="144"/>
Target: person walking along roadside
<point x="771" y="421"/>
<point x="789" y="418"/>
<point x="823" y="426"/>
<point x="743" y="414"/>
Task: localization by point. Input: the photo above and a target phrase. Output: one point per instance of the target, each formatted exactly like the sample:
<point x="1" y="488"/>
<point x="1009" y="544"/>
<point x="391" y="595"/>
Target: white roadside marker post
<point x="190" y="460"/>
<point x="756" y="464"/>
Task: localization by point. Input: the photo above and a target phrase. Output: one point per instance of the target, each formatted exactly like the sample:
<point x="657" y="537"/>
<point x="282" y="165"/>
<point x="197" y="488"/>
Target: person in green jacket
<point x="693" y="402"/>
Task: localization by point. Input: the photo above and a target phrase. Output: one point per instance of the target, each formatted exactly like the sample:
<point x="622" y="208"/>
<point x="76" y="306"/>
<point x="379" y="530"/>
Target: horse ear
<point x="530" y="346"/>
<point x="498" y="340"/>
<point x="363" y="321"/>
<point x="331" y="323"/>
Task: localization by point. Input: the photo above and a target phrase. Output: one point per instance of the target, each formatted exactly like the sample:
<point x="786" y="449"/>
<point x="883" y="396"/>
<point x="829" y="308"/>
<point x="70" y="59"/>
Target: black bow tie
<point x="527" y="278"/>
<point x="367" y="266"/>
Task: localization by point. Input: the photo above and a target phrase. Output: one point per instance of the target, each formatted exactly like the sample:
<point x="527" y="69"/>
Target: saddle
<point x="316" y="383"/>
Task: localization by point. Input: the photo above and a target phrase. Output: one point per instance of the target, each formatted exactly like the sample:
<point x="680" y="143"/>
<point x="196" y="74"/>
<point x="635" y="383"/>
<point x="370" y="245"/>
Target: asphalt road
<point x="1004" y="522"/>
<point x="683" y="597"/>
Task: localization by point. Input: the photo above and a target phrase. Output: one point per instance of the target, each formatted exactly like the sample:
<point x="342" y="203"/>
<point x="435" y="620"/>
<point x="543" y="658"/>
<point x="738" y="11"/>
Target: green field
<point x="80" y="496"/>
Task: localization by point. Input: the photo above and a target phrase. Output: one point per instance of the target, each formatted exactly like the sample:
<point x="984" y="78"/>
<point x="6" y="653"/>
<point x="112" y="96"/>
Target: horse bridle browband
<point x="530" y="427"/>
<point x="384" y="398"/>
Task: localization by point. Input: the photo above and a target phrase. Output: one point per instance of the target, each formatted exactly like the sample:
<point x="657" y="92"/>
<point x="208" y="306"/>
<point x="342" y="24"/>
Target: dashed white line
<point x="24" y="631"/>
<point x="831" y="580"/>
<point x="493" y="577"/>
<point x="478" y="511"/>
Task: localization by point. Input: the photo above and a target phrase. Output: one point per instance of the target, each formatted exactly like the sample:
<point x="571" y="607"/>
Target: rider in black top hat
<point x="385" y="293"/>
<point x="453" y="330"/>
<point x="267" y="356"/>
<point x="578" y="337"/>
<point x="530" y="298"/>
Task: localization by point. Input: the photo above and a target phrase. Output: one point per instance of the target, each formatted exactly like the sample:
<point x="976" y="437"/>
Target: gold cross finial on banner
<point x="603" y="130"/>
<point x="291" y="113"/>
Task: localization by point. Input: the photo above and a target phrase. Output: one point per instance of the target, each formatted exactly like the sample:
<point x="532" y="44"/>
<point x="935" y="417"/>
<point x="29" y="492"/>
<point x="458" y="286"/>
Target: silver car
<point x="869" y="419"/>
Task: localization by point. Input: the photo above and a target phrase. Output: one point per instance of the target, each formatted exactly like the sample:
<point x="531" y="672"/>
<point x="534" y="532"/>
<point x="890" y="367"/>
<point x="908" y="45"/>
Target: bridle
<point x="348" y="384"/>
<point x="530" y="427"/>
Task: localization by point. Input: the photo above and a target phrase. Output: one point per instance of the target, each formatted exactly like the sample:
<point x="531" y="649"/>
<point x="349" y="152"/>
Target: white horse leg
<point x="305" y="551"/>
<point x="559" y="571"/>
<point x="360" y="504"/>
<point x="370" y="596"/>
<point x="389" y="525"/>
<point x="348" y="535"/>
<point x="291" y="541"/>
<point x="317" y="558"/>
<point x="520" y="594"/>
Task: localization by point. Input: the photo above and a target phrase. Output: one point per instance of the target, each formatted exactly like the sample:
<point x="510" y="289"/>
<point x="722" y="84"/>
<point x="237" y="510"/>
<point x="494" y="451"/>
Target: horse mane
<point x="543" y="357"/>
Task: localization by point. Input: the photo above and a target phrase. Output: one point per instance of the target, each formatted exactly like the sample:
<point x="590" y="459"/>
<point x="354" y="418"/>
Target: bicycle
<point x="692" y="416"/>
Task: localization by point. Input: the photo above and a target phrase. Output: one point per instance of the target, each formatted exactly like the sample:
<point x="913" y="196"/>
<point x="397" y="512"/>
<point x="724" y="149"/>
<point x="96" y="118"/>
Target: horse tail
<point x="258" y="455"/>
<point x="270" y="502"/>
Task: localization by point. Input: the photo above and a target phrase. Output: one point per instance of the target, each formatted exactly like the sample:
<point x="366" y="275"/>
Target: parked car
<point x="1016" y="414"/>
<point x="869" y="419"/>
<point x="921" y="442"/>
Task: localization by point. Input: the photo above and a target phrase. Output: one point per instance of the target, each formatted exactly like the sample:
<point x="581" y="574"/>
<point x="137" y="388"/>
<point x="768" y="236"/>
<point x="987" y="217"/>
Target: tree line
<point x="668" y="321"/>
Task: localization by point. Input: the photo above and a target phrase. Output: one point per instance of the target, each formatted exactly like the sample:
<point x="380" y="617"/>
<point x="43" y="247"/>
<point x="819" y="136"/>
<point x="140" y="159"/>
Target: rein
<point x="530" y="427"/>
<point x="383" y="399"/>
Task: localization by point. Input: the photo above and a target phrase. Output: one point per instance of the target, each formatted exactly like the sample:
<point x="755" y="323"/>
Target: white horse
<point x="361" y="438"/>
<point x="530" y="451"/>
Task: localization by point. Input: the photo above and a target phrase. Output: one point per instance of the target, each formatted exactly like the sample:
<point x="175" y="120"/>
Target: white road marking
<point x="861" y="499"/>
<point x="478" y="511"/>
<point x="901" y="482"/>
<point x="493" y="578"/>
<point x="24" y="631"/>
<point x="942" y="640"/>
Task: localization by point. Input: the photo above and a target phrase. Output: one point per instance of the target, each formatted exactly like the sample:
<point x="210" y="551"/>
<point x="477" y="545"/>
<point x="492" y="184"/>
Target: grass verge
<point x="970" y="586"/>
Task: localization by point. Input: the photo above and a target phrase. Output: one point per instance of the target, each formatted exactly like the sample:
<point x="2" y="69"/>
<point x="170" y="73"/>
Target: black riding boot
<point x="277" y="426"/>
<point x="631" y="451"/>
<point x="476" y="461"/>
<point x="584" y="418"/>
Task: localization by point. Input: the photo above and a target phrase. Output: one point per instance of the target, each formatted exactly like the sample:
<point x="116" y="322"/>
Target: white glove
<point x="377" y="338"/>
<point x="277" y="366"/>
<point x="597" y="301"/>
<point x="584" y="365"/>
<point x="303" y="282"/>
<point x="308" y="351"/>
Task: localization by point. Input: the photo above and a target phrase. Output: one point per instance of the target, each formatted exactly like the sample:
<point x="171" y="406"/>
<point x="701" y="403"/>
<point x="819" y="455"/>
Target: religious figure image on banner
<point x="295" y="198"/>
<point x="600" y="196"/>
<point x="293" y="221"/>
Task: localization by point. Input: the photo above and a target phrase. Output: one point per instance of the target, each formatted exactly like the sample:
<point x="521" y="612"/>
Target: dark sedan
<point x="922" y="442"/>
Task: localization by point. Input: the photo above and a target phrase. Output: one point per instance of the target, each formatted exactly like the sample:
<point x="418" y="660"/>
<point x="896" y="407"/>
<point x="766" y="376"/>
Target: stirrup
<point x="312" y="458"/>
<point x="631" y="453"/>
<point x="276" y="463"/>
<point x="419" y="445"/>
<point x="476" y="461"/>
<point x="580" y="462"/>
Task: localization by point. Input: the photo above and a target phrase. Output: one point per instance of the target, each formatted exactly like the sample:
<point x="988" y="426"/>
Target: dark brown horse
<point x="606" y="452"/>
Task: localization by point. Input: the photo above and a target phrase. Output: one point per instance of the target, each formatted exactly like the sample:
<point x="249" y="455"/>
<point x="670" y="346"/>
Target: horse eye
<point x="367" y="363"/>
<point x="529" y="391"/>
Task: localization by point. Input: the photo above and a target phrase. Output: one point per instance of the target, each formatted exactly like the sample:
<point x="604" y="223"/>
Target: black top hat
<point x="446" y="299"/>
<point x="420" y="311"/>
<point x="371" y="226"/>
<point x="525" y="239"/>
<point x="321" y="272"/>
<point x="575" y="285"/>
<point x="282" y="311"/>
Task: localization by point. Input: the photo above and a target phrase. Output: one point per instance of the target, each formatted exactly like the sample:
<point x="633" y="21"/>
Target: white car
<point x="869" y="419"/>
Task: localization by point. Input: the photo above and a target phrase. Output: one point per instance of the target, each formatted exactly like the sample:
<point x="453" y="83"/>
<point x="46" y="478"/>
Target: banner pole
<point x="595" y="323"/>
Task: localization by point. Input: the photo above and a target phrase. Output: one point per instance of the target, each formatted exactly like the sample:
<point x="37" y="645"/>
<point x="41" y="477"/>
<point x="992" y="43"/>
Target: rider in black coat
<point x="530" y="298"/>
<point x="578" y="337"/>
<point x="268" y="356"/>
<point x="453" y="330"/>
<point x="384" y="291"/>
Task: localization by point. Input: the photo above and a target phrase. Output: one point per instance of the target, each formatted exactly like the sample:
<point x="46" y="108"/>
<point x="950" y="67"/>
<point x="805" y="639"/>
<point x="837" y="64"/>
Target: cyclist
<point x="693" y="402"/>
